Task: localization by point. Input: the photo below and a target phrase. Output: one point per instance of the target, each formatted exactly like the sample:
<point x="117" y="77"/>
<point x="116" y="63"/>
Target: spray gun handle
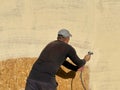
<point x="90" y="53"/>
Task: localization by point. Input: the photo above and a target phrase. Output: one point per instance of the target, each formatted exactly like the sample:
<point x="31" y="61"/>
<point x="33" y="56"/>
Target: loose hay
<point x="13" y="74"/>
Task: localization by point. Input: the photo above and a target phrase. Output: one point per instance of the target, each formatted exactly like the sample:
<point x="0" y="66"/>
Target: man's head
<point x="64" y="35"/>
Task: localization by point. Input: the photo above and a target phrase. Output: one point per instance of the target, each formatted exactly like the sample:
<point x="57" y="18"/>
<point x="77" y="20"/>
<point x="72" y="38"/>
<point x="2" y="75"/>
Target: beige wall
<point x="26" y="26"/>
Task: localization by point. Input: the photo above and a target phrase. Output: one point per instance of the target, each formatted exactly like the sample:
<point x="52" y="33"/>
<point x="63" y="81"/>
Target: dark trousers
<point x="37" y="85"/>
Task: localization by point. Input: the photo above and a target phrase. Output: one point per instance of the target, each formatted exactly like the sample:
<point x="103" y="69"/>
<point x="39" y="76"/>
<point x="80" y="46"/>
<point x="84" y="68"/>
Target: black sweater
<point x="51" y="58"/>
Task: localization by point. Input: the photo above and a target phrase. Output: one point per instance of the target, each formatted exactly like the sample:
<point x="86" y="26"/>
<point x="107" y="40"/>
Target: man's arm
<point x="70" y="66"/>
<point x="75" y="59"/>
<point x="61" y="73"/>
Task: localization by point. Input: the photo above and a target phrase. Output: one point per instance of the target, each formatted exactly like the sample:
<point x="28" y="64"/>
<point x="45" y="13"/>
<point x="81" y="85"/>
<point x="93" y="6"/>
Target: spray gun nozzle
<point x="90" y="53"/>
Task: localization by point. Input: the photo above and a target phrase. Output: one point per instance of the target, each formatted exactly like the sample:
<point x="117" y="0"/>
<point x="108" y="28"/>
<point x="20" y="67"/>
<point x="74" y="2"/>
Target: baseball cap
<point x="64" y="33"/>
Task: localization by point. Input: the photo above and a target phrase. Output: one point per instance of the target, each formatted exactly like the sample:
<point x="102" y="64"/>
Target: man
<point x="42" y="75"/>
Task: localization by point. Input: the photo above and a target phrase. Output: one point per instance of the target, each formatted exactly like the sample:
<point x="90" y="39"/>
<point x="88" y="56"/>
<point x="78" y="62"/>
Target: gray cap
<point x="64" y="33"/>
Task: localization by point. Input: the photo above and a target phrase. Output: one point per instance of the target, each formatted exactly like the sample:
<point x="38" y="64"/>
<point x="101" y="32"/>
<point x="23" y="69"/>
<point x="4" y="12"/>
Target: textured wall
<point x="26" y="26"/>
<point x="14" y="72"/>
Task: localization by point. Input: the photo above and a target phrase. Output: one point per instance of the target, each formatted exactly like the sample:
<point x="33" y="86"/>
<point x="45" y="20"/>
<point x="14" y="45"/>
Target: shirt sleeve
<point x="70" y="66"/>
<point x="74" y="57"/>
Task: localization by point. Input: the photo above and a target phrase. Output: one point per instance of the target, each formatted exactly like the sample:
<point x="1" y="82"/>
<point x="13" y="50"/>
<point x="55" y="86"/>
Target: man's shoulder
<point x="61" y="43"/>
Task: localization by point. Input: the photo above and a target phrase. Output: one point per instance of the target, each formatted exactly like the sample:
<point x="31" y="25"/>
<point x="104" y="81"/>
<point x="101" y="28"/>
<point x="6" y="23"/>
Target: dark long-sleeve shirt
<point x="51" y="58"/>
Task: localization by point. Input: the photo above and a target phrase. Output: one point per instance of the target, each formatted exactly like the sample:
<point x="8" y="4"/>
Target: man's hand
<point x="81" y="68"/>
<point x="87" y="57"/>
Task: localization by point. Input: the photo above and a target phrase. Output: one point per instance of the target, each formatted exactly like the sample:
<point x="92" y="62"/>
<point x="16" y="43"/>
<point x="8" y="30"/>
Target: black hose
<point x="82" y="81"/>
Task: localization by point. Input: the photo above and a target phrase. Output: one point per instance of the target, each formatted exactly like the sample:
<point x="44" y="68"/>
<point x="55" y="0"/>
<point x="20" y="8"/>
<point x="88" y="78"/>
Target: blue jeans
<point x="38" y="85"/>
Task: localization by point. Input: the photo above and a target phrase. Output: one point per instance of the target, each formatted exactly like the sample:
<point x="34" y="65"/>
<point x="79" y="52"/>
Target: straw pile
<point x="13" y="74"/>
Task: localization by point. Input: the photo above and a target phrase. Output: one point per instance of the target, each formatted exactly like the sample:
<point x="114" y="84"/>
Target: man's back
<point x="49" y="61"/>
